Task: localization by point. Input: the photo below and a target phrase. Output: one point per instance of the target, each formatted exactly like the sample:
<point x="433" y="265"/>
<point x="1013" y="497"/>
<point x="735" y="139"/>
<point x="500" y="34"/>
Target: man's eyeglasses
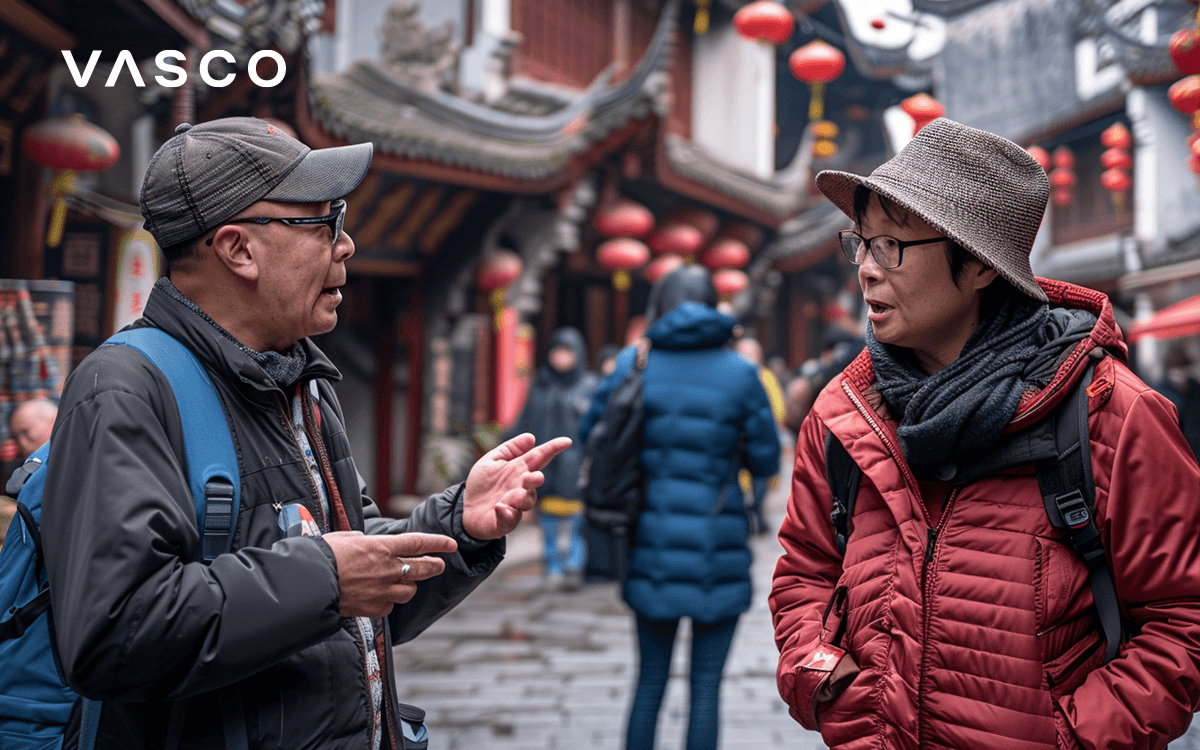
<point x="888" y="252"/>
<point x="334" y="220"/>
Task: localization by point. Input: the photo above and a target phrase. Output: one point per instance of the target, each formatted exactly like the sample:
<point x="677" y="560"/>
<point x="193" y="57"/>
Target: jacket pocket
<point x="1066" y="673"/>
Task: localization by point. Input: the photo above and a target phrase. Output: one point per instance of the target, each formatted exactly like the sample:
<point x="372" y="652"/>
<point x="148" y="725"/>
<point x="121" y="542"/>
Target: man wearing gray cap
<point x="992" y="537"/>
<point x="286" y="641"/>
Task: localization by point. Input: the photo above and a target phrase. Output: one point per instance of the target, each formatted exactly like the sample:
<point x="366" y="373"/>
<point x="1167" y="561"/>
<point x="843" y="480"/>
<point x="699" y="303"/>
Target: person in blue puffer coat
<point x="706" y="416"/>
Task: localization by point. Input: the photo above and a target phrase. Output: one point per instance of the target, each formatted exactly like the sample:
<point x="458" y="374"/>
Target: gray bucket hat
<point x="206" y="174"/>
<point x="984" y="192"/>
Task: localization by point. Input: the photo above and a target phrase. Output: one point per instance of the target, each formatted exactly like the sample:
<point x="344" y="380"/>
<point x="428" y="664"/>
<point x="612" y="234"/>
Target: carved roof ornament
<point x="244" y="28"/>
<point x="419" y="57"/>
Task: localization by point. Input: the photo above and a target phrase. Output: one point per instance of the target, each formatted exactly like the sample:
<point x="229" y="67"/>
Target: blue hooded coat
<point x="706" y="416"/>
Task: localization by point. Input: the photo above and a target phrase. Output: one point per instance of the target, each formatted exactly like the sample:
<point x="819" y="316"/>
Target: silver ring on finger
<point x="404" y="570"/>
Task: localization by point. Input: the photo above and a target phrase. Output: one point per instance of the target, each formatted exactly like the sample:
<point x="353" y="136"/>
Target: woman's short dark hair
<point x="957" y="255"/>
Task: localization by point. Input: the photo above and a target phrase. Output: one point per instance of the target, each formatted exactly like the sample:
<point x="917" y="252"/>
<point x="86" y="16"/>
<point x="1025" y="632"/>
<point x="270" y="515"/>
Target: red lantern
<point x="661" y="266"/>
<point x="1116" y="158"/>
<point x="1194" y="143"/>
<point x="1062" y="178"/>
<point x="68" y="145"/>
<point x="726" y="253"/>
<point x="676" y="238"/>
<point x="498" y="270"/>
<point x="1194" y="163"/>
<point x="1061" y="196"/>
<point x="1041" y="156"/>
<point x="764" y="21"/>
<point x="1116" y="136"/>
<point x="622" y="254"/>
<point x="1185" y="51"/>
<point x="923" y="108"/>
<point x="1116" y="180"/>
<point x="1063" y="158"/>
<point x="817" y="64"/>
<point x="729" y="281"/>
<point x="1185" y="94"/>
<point x="625" y="219"/>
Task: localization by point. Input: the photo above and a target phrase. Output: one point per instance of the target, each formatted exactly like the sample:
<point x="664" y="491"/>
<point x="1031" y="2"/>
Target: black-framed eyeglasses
<point x="334" y="220"/>
<point x="887" y="251"/>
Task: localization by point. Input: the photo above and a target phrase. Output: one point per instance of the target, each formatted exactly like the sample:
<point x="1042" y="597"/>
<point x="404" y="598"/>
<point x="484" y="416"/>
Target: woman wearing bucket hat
<point x="953" y="613"/>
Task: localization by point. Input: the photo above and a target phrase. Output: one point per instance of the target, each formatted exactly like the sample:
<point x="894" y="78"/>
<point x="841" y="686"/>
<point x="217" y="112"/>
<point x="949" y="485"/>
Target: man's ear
<point x="983" y="276"/>
<point x="233" y="248"/>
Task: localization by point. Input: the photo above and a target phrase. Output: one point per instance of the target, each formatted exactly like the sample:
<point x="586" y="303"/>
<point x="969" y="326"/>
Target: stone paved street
<point x="518" y="667"/>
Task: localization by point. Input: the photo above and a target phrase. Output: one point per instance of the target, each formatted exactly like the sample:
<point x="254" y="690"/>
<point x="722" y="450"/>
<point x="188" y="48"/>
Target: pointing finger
<point x="538" y="457"/>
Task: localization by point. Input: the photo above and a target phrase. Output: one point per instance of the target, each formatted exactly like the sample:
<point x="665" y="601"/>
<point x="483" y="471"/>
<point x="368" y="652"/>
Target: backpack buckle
<point x="1074" y="509"/>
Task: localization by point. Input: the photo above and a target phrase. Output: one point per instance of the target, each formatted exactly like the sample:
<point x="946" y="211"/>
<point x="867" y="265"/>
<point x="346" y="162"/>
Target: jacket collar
<point x="220" y="355"/>
<point x="691" y="326"/>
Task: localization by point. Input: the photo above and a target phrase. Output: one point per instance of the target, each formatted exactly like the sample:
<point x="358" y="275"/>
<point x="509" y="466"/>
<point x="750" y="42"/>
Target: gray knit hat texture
<point x="206" y="174"/>
<point x="984" y="192"/>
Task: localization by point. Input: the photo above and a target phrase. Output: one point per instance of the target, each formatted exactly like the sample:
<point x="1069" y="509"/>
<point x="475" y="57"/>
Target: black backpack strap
<point x="1068" y="490"/>
<point x="843" y="475"/>
<point x="23" y="617"/>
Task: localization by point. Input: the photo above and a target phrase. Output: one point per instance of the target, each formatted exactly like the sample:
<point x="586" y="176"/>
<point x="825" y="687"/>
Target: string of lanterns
<point x="1116" y="162"/>
<point x="1185" y="93"/>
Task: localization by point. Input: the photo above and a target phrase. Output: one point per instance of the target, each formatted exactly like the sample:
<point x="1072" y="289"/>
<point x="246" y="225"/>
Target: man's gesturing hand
<point x="502" y="485"/>
<point x="371" y="569"/>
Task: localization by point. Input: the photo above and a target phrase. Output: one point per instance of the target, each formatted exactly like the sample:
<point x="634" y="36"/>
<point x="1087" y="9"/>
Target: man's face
<point x="31" y="426"/>
<point x="301" y="271"/>
<point x="562" y="358"/>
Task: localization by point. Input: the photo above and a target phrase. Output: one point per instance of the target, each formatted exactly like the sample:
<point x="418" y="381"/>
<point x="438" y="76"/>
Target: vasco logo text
<point x="164" y="62"/>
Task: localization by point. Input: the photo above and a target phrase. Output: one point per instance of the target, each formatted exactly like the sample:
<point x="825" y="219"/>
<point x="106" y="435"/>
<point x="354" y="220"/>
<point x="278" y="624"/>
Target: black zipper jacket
<point x="139" y="624"/>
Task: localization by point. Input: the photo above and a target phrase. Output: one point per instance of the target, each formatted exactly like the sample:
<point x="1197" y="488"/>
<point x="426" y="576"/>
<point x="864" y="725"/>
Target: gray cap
<point x="982" y="191"/>
<point x="208" y="173"/>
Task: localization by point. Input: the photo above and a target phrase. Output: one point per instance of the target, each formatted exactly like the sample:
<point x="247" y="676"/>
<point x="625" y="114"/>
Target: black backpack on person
<point x="1068" y="490"/>
<point x="612" y="479"/>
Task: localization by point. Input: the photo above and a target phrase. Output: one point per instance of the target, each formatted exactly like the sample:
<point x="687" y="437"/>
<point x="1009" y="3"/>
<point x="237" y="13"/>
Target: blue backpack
<point x="35" y="703"/>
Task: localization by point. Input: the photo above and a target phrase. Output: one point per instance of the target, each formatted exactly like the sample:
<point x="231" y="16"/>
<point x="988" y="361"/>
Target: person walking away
<point x="556" y="402"/>
<point x="949" y="611"/>
<point x="705" y="414"/>
<point x="756" y="488"/>
<point x="285" y="641"/>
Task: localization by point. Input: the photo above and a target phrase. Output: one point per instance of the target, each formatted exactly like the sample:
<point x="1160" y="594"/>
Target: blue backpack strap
<point x="208" y="444"/>
<point x="214" y="480"/>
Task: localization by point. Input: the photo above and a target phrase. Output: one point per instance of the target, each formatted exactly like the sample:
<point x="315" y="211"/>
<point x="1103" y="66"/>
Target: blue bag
<point x="35" y="704"/>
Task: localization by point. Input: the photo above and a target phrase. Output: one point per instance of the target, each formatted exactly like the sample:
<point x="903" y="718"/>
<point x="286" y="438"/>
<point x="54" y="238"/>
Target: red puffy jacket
<point x="976" y="629"/>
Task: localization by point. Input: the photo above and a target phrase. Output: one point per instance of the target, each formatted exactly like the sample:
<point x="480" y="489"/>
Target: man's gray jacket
<point x="140" y="625"/>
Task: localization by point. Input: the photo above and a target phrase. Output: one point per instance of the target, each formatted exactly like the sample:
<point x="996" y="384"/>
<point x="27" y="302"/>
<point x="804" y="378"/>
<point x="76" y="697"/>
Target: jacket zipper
<point x="898" y="455"/>
<point x="927" y="570"/>
<point x="285" y="420"/>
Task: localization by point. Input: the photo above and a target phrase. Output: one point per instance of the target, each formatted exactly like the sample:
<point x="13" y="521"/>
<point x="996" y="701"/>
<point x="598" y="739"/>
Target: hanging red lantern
<point x="1185" y="51"/>
<point x="1116" y="158"/>
<point x="1194" y="143"/>
<point x="764" y="21"/>
<point x="621" y="255"/>
<point x="499" y="269"/>
<point x="1185" y="94"/>
<point x="706" y="221"/>
<point x="1062" y="178"/>
<point x="1041" y="156"/>
<point x="1116" y="136"/>
<point x="624" y="218"/>
<point x="1063" y="158"/>
<point x="1061" y="196"/>
<point x="676" y="238"/>
<point x="68" y="145"/>
<point x="725" y="253"/>
<point x="817" y="64"/>
<point x="730" y="281"/>
<point x="923" y="109"/>
<point x="661" y="266"/>
<point x="1194" y="163"/>
<point x="1116" y="180"/>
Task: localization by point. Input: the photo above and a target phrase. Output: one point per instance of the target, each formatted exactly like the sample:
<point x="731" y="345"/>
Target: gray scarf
<point x="962" y="409"/>
<point x="284" y="369"/>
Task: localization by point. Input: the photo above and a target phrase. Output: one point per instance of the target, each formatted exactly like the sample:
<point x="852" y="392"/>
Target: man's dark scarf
<point x="960" y="410"/>
<point x="284" y="368"/>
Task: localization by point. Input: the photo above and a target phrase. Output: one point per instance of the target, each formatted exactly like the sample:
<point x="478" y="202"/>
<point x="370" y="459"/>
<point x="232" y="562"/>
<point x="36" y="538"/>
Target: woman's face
<point x="917" y="305"/>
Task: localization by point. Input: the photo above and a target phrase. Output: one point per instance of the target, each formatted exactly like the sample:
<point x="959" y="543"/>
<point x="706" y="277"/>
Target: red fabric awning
<point x="1173" y="321"/>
